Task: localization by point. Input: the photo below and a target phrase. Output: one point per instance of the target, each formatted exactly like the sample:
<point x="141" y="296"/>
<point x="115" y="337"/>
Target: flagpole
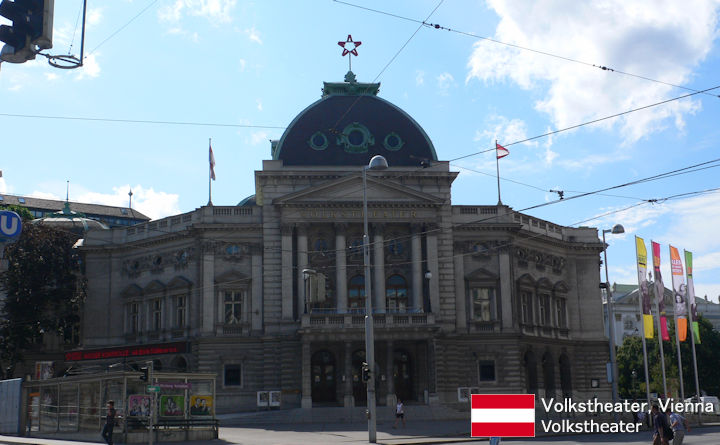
<point x="209" y="173"/>
<point x="691" y="318"/>
<point x="497" y="166"/>
<point x="642" y="317"/>
<point x="677" y="330"/>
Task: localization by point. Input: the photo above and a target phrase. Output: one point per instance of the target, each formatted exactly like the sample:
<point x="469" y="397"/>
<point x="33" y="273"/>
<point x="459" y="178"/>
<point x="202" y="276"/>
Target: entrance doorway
<point x="323" y="376"/>
<point x="403" y="375"/>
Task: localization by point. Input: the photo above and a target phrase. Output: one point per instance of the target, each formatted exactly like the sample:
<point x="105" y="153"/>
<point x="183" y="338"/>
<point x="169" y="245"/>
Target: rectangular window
<point x="134" y="318"/>
<point x="180" y="302"/>
<point x="486" y="370"/>
<point x="233" y="306"/>
<point x="156" y="314"/>
<point x="561" y="314"/>
<point x="526" y="306"/>
<point x="544" y="309"/>
<point x="233" y="375"/>
<point x="482" y="303"/>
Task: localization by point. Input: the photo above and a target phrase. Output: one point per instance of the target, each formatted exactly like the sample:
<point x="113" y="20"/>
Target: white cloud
<point x="215" y="11"/>
<point x="663" y="40"/>
<point x="93" y="17"/>
<point x="504" y="130"/>
<point x="242" y="64"/>
<point x="90" y="67"/>
<point x="253" y="35"/>
<point x="419" y="77"/>
<point x="444" y="82"/>
<point x="259" y="104"/>
<point x="550" y="156"/>
<point x="259" y="137"/>
<point x="152" y="203"/>
<point x="3" y="186"/>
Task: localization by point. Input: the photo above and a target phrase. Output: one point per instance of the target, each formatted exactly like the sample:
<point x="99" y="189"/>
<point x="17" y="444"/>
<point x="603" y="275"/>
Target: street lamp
<point x="376" y="163"/>
<point x="617" y="229"/>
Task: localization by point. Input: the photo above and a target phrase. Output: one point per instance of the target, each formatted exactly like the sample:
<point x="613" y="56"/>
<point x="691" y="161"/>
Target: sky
<point x="163" y="77"/>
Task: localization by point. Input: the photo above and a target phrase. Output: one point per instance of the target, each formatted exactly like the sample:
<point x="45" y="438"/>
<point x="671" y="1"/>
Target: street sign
<point x="153" y="388"/>
<point x="10" y="225"/>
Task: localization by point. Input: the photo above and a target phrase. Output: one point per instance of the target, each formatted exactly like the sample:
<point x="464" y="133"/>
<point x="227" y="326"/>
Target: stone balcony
<point x="357" y="321"/>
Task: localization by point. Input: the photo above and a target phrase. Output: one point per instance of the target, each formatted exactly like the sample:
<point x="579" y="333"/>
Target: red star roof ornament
<point x="349" y="46"/>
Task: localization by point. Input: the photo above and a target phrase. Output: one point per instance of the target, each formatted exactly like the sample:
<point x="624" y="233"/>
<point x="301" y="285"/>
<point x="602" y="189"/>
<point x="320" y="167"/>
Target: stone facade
<point x="464" y="296"/>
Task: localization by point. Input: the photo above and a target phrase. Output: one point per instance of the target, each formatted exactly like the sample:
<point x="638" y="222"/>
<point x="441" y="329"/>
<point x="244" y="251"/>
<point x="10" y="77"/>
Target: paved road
<point x="414" y="433"/>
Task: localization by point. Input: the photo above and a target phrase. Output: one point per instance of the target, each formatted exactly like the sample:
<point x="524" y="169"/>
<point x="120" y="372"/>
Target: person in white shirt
<point x="399" y="413"/>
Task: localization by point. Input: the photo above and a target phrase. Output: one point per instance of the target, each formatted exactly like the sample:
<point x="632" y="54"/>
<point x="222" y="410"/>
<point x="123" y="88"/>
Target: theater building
<point x="472" y="296"/>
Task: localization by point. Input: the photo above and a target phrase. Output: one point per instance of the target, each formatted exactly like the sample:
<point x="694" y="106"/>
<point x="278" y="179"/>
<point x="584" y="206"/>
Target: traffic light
<point x="31" y="30"/>
<point x="365" y="372"/>
<point x="144" y="375"/>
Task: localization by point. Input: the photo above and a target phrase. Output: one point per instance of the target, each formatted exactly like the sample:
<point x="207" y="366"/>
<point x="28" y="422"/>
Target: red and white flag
<point x="212" y="164"/>
<point x="502" y="415"/>
<point x="501" y="151"/>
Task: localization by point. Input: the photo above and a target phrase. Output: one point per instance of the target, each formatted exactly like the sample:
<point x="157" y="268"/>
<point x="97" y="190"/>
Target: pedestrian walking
<point x="107" y="431"/>
<point x="399" y="413"/>
<point x="494" y="440"/>
<point x="679" y="425"/>
<point x="663" y="433"/>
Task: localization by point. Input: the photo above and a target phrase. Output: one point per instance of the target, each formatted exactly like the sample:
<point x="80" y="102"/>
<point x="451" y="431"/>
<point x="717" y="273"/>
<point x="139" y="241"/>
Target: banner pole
<point x="677" y="329"/>
<point x="658" y="299"/>
<point x="642" y="317"/>
<point x="691" y="316"/>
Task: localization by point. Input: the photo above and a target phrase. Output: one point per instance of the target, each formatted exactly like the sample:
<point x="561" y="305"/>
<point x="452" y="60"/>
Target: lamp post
<point x="376" y="163"/>
<point x="617" y="229"/>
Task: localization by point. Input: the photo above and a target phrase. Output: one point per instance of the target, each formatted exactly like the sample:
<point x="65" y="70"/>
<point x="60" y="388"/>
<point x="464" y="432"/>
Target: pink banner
<point x="679" y="293"/>
<point x="659" y="291"/>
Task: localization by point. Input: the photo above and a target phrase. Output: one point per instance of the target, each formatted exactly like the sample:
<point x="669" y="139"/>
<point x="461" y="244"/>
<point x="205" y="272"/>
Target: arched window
<point x="356" y="294"/>
<point x="396" y="294"/>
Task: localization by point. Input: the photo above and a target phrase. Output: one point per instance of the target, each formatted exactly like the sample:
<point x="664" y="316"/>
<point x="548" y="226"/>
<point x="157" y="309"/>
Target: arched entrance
<point x="324" y="383"/>
<point x="403" y="375"/>
<point x="359" y="387"/>
<point x="565" y="376"/>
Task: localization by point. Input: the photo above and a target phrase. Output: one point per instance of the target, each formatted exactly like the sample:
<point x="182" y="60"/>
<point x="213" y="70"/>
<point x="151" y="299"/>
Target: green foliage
<point x="630" y="357"/>
<point x="42" y="292"/>
<point x="22" y="211"/>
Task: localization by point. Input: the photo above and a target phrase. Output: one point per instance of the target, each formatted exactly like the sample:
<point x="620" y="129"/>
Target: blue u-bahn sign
<point x="10" y="226"/>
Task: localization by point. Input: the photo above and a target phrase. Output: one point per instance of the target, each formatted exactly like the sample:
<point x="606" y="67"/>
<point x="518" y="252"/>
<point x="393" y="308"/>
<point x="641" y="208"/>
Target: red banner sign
<point x="122" y="352"/>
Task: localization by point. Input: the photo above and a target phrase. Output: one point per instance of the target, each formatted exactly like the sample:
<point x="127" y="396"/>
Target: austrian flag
<point x="503" y="415"/>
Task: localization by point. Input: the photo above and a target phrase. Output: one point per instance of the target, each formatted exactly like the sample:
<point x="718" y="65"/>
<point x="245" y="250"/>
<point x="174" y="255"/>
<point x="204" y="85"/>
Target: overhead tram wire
<point x="138" y="121"/>
<point x="587" y="123"/>
<point x="121" y="28"/>
<point x="523" y="48"/>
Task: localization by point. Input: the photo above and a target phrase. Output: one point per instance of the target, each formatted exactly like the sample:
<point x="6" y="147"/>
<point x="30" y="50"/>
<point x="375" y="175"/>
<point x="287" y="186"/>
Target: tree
<point x="43" y="293"/>
<point x="630" y="357"/>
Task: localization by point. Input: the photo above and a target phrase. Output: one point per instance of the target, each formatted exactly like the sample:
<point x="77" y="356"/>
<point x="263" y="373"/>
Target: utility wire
<point x="587" y="123"/>
<point x="138" y="121"/>
<point x="544" y="53"/>
<point x="121" y="28"/>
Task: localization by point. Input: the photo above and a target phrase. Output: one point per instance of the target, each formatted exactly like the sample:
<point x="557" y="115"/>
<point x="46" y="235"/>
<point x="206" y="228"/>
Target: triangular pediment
<point x="349" y="189"/>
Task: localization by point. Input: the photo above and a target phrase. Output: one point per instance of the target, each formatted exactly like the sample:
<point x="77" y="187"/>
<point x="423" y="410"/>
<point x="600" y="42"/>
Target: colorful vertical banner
<point x="643" y="288"/>
<point x="691" y="297"/>
<point x="659" y="291"/>
<point x="679" y="293"/>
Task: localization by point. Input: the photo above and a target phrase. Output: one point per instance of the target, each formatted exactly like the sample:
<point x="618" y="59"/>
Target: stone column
<point x="434" y="284"/>
<point x="287" y="272"/>
<point x="302" y="262"/>
<point x="341" y="268"/>
<point x="505" y="292"/>
<point x="378" y="289"/>
<point x="208" y="289"/>
<point x="391" y="398"/>
<point x="306" y="401"/>
<point x="348" y="399"/>
<point x="257" y="280"/>
<point x="460" y="292"/>
<point x="433" y="398"/>
<point x="417" y="268"/>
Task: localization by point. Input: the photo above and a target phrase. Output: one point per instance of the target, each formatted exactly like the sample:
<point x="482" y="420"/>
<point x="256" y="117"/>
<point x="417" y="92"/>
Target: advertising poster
<point x="659" y="291"/>
<point x="139" y="405"/>
<point x="692" y="304"/>
<point x="172" y="406"/>
<point x="201" y="405"/>
<point x="644" y="289"/>
<point x="679" y="293"/>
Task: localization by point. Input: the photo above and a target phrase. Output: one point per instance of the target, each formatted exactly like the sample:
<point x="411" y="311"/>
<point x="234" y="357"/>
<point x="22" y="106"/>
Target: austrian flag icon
<point x="502" y="415"/>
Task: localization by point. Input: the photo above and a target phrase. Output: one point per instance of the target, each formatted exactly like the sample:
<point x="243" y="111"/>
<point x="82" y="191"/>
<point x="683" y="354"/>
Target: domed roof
<point x="348" y="126"/>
